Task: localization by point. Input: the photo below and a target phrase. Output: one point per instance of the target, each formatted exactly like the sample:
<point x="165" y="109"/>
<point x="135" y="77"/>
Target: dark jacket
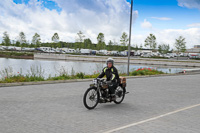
<point x="111" y="74"/>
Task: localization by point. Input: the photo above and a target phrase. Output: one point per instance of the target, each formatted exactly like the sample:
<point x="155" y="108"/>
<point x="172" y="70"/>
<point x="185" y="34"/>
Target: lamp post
<point x="129" y="49"/>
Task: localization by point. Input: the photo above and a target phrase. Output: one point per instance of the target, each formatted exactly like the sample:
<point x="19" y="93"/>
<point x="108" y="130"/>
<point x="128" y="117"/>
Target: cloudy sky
<point x="166" y="19"/>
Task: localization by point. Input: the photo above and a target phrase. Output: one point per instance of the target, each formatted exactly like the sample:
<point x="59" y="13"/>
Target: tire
<point x="121" y="98"/>
<point x="90" y="96"/>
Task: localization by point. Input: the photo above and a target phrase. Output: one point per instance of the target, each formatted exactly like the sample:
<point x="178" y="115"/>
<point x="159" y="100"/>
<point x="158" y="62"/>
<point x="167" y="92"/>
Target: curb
<point x="191" y="70"/>
<point x="84" y="80"/>
<point x="42" y="82"/>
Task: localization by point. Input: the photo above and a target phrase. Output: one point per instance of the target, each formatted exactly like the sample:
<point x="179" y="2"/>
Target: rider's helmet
<point x="110" y="60"/>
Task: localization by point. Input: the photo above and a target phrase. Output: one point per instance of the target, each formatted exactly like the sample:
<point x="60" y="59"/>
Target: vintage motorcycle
<point x="98" y="92"/>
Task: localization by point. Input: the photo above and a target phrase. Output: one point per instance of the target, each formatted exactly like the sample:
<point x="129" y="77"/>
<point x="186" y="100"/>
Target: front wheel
<point x="91" y="98"/>
<point x="120" y="94"/>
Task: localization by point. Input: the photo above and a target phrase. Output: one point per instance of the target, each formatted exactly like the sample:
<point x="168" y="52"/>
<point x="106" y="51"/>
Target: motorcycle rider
<point x="112" y="76"/>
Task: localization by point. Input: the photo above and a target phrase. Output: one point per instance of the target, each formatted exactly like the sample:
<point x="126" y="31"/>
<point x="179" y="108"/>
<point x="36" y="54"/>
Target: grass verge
<point x="37" y="74"/>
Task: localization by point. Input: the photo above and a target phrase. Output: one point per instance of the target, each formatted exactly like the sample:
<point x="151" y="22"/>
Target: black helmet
<point x="110" y="60"/>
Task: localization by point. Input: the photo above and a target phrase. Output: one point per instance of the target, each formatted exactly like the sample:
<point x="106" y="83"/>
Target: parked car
<point x="104" y="52"/>
<point x="123" y="53"/>
<point x="86" y="51"/>
<point x="115" y="53"/>
<point x="18" y="48"/>
<point x="93" y="52"/>
<point x="166" y="56"/>
<point x="4" y="47"/>
<point x="45" y="49"/>
<point x="194" y="55"/>
<point x="171" y="55"/>
<point x="147" y="55"/>
<point x="28" y="49"/>
<point x="1" y="48"/>
<point x="11" y="48"/>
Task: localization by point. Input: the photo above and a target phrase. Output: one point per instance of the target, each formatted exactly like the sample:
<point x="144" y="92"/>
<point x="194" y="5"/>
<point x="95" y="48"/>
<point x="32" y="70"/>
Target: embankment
<point x="145" y="61"/>
<point x="17" y="55"/>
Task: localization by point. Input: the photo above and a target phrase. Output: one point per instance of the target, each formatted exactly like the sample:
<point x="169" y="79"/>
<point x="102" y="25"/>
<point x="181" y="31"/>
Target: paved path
<point x="155" y="105"/>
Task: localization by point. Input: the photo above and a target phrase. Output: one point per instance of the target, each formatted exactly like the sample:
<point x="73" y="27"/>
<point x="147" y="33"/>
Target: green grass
<point x="195" y="59"/>
<point x="15" y="53"/>
<point x="20" y="78"/>
<point x="36" y="74"/>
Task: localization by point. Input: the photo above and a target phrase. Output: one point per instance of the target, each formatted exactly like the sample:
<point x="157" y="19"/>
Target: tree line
<point x="82" y="42"/>
<point x="180" y="44"/>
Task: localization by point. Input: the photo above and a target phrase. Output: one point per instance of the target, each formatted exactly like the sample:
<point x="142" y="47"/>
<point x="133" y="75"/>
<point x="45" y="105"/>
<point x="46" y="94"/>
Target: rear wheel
<point x="120" y="94"/>
<point x="91" y="98"/>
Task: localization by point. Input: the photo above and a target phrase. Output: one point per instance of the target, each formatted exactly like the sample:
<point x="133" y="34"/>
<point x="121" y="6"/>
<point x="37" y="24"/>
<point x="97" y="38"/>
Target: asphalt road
<point x="169" y="104"/>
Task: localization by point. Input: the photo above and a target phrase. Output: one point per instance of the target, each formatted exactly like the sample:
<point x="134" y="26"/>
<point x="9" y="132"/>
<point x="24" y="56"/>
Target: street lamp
<point x="129" y="49"/>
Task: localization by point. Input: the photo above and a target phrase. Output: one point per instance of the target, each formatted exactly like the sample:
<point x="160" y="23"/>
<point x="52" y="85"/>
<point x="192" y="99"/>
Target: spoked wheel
<point x="91" y="98"/>
<point x="120" y="94"/>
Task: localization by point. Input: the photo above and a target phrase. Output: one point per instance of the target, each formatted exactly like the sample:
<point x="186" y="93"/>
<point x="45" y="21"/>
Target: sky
<point x="166" y="19"/>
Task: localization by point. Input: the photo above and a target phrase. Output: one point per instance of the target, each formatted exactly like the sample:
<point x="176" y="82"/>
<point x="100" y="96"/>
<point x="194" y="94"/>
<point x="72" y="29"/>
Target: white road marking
<point x="151" y="119"/>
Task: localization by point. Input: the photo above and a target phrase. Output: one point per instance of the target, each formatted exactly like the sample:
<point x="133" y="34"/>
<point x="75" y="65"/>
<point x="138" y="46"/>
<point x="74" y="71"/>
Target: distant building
<point x="196" y="49"/>
<point x="196" y="46"/>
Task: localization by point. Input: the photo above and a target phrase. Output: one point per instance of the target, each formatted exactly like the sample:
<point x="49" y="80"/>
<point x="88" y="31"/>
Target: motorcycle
<point x="98" y="92"/>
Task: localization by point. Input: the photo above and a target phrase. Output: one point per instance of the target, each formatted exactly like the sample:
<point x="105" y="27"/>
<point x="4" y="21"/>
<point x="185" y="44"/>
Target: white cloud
<point x="162" y="18"/>
<point x="108" y="16"/>
<point x="194" y="25"/>
<point x="146" y="24"/>
<point x="189" y="3"/>
<point x="192" y="36"/>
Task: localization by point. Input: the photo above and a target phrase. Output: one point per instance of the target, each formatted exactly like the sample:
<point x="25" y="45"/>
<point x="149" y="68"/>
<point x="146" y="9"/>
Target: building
<point x="196" y="49"/>
<point x="196" y="46"/>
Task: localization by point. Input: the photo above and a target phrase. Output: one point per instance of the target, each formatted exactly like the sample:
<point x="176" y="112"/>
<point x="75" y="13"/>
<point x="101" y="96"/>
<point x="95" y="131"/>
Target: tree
<point x="22" y="38"/>
<point x="100" y="38"/>
<point x="141" y="47"/>
<point x="88" y="43"/>
<point x="180" y="44"/>
<point x="110" y="44"/>
<point x="17" y="43"/>
<point x="136" y="47"/>
<point x="36" y="39"/>
<point x="81" y="37"/>
<point x="79" y="40"/>
<point x="150" y="41"/>
<point x="55" y="38"/>
<point x="163" y="48"/>
<point x="100" y="41"/>
<point x="124" y="39"/>
<point x="6" y="39"/>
